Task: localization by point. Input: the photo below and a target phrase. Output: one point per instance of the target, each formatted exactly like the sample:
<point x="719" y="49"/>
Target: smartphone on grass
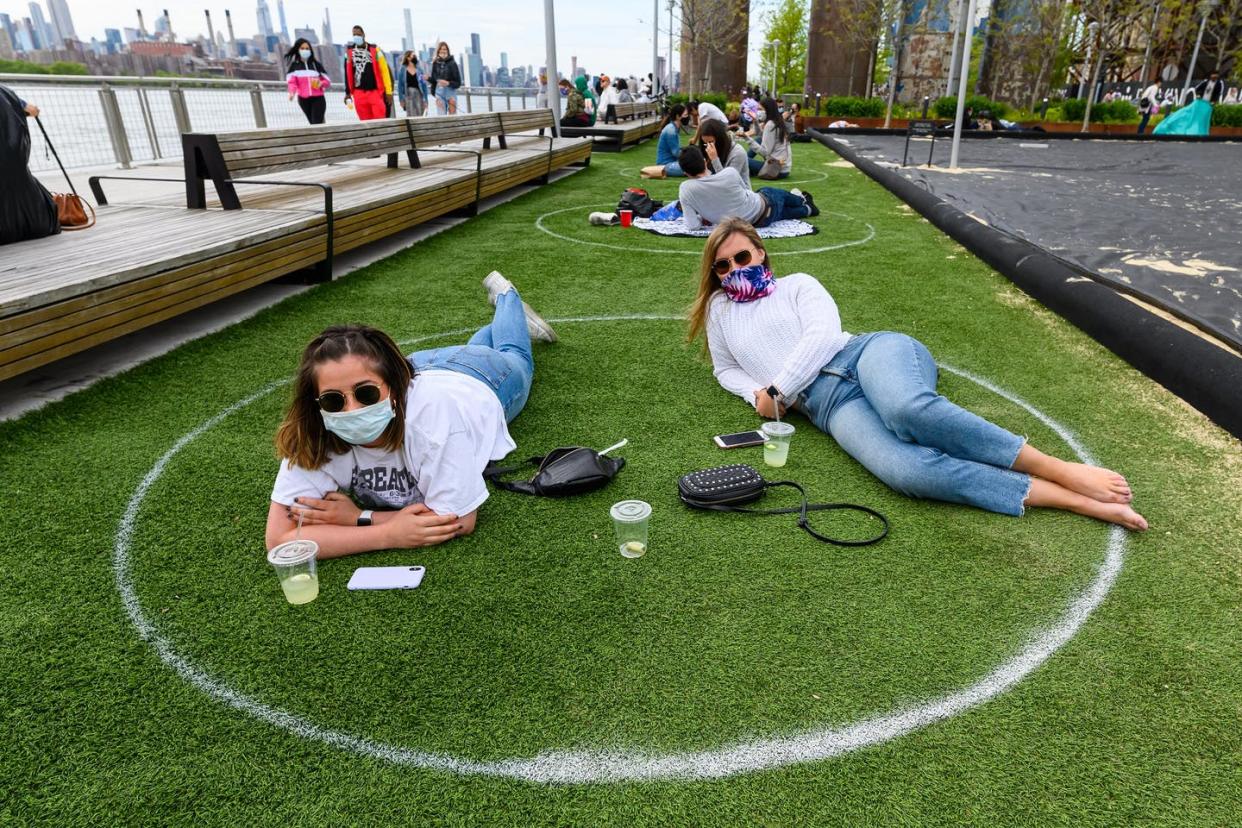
<point x="387" y="577"/>
<point x="741" y="439"/>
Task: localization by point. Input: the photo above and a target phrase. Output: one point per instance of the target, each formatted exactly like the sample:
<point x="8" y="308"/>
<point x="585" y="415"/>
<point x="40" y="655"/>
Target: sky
<point x="614" y="38"/>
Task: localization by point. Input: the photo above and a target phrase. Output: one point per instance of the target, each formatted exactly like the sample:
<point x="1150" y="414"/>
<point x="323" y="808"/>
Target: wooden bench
<point x="621" y="124"/>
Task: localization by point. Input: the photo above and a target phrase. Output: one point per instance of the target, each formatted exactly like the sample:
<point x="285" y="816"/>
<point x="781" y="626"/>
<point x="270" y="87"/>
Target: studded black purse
<point x="727" y="488"/>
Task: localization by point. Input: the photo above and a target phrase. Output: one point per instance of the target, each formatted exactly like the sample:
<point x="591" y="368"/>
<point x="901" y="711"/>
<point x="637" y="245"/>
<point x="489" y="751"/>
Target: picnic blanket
<point x="784" y="229"/>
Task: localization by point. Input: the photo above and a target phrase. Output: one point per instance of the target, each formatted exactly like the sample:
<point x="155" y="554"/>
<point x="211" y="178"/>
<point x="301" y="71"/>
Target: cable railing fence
<point x="101" y="121"/>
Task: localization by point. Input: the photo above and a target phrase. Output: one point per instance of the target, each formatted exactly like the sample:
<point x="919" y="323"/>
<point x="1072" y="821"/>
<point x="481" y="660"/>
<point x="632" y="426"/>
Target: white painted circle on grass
<point x="584" y="766"/>
<point x="631" y="249"/>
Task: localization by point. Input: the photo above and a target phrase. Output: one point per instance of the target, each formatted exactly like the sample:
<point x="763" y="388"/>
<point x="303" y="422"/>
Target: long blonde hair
<point x="709" y="282"/>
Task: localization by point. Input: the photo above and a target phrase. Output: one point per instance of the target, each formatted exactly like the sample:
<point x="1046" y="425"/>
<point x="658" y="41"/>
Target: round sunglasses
<point x="334" y="401"/>
<point x="740" y="258"/>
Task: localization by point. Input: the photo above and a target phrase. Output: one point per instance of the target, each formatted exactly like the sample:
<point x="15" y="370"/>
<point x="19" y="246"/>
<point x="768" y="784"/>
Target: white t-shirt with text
<point x="454" y="426"/>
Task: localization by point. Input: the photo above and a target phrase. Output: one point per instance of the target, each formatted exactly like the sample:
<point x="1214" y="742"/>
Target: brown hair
<point x="709" y="282"/>
<point x="302" y="438"/>
<point x="720" y="134"/>
<point x="444" y="44"/>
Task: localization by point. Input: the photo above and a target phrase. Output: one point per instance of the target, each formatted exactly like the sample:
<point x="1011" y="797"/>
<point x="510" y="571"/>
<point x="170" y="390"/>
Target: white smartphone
<point x="739" y="440"/>
<point x="387" y="577"/>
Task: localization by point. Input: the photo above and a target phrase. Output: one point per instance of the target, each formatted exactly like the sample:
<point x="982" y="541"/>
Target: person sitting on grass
<point x="774" y="143"/>
<point x="668" y="147"/>
<point x="701" y="111"/>
<point x="710" y="199"/>
<point x="382" y="451"/>
<point x="722" y="151"/>
<point x="875" y="393"/>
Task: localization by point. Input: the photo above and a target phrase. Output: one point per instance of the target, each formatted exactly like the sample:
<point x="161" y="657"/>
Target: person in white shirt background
<point x="779" y="342"/>
<point x="382" y="451"/>
<point x="1152" y="96"/>
<point x="608" y="95"/>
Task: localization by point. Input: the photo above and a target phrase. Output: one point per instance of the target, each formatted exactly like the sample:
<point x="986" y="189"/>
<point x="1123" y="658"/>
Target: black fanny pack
<point x="562" y="472"/>
<point x="726" y="488"/>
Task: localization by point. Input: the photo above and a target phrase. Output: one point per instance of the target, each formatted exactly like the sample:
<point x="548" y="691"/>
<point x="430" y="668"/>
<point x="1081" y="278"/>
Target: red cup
<point x="627" y="218"/>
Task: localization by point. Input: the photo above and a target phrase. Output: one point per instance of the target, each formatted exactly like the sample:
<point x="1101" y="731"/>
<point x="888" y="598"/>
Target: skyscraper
<point x="504" y="60"/>
<point x="6" y="23"/>
<point x="409" y="31"/>
<point x="327" y="27"/>
<point x="474" y="46"/>
<point x="280" y="10"/>
<point x="48" y="39"/>
<point x="264" y="15"/>
<point x="62" y="21"/>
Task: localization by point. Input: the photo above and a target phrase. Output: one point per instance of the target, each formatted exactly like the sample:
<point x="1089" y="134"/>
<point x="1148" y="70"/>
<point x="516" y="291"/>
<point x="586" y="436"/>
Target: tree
<point x="1113" y="20"/>
<point x="787" y="23"/>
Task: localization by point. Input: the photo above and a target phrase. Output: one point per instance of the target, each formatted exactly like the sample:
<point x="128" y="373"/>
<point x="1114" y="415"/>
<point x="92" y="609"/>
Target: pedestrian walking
<point x="307" y="79"/>
<point x="412" y="87"/>
<point x="446" y="79"/>
<point x="368" y="83"/>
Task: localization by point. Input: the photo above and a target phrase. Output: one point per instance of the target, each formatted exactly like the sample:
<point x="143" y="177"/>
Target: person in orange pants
<point x="368" y="83"/>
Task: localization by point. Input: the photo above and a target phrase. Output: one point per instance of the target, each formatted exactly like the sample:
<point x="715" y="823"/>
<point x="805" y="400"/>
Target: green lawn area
<point x="534" y="640"/>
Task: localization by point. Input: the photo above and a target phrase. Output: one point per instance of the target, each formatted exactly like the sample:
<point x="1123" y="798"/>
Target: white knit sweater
<point x="783" y="339"/>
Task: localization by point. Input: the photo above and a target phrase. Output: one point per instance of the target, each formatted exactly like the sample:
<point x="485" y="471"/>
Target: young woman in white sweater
<point x="874" y="393"/>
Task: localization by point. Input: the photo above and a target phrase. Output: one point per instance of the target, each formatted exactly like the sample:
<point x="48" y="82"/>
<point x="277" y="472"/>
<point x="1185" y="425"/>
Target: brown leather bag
<point x="71" y="211"/>
<point x="70" y="207"/>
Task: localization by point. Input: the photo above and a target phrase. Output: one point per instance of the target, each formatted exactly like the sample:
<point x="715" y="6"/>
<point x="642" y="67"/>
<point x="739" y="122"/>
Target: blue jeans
<point x="673" y="170"/>
<point x="498" y="355"/>
<point x="782" y="204"/>
<point x="878" y="400"/>
<point x="447" y="95"/>
<point x="756" y="164"/>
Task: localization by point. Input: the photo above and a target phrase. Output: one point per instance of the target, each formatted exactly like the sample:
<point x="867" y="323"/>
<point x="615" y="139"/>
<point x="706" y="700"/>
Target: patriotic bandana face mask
<point x="746" y="284"/>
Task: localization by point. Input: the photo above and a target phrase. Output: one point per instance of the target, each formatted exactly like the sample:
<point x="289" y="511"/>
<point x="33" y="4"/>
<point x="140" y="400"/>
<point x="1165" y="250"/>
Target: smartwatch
<point x="364" y="517"/>
<point x="774" y="392"/>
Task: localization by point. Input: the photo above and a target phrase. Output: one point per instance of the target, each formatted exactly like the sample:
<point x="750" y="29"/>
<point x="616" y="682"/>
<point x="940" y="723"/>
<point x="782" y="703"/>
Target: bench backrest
<point x="525" y="120"/>
<point x="428" y="132"/>
<point x="247" y="152"/>
<point x="627" y="111"/>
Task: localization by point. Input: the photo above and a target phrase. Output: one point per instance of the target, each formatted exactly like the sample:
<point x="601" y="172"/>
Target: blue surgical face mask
<point x="362" y="425"/>
<point x="305" y="53"/>
<point x="359" y="40"/>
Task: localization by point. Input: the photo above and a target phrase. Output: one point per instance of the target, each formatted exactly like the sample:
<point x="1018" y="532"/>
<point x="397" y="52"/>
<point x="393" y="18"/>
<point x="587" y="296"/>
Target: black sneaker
<point x="810" y="202"/>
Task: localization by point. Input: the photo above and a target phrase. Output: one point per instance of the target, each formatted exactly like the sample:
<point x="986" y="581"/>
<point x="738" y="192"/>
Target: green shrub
<point x="1116" y="112"/>
<point x="846" y="107"/>
<point x="1230" y="116"/>
<point x="947" y="107"/>
<point x="717" y="98"/>
<point x="25" y="67"/>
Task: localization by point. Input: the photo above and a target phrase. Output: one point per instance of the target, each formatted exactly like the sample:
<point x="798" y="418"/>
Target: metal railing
<point x="99" y="121"/>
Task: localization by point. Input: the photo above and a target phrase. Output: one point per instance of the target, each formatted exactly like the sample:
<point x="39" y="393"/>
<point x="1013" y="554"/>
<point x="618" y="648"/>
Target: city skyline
<point x="587" y="33"/>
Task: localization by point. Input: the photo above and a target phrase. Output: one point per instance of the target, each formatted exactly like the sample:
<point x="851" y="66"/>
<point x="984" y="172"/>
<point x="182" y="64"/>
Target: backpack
<point x="638" y="201"/>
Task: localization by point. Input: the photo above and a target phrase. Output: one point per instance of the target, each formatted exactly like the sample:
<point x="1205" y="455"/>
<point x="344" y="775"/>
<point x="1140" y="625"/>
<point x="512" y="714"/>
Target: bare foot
<point x="1099" y="484"/>
<point x="1055" y="496"/>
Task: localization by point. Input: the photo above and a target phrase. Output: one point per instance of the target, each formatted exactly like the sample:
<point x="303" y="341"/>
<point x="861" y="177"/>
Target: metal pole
<point x="961" y="88"/>
<point x="776" y="46"/>
<point x="181" y="113"/>
<point x="1086" y="64"/>
<point x="1194" y="58"/>
<point x="1151" y="35"/>
<point x="256" y="104"/>
<point x="892" y="77"/>
<point x="655" y="47"/>
<point x="149" y="123"/>
<point x="116" y="126"/>
<point x="670" y="44"/>
<point x="554" y="92"/>
<point x="957" y="36"/>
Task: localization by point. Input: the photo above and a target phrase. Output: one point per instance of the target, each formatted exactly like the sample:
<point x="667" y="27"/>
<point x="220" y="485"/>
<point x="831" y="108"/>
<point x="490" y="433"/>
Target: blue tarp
<point x="1189" y="120"/>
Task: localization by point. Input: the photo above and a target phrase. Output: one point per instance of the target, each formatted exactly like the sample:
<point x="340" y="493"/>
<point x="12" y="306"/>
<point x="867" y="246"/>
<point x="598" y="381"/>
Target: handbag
<point x="70" y="208"/>
<point x="562" y="472"/>
<point x="770" y="171"/>
<point x="726" y="488"/>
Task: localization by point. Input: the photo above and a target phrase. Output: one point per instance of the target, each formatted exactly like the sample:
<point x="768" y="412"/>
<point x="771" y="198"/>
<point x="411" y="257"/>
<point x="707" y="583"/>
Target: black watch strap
<point x="364" y="517"/>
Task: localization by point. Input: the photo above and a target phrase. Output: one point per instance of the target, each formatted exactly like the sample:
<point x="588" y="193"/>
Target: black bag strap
<point x="492" y="474"/>
<point x="52" y="147"/>
<point x="802" y="510"/>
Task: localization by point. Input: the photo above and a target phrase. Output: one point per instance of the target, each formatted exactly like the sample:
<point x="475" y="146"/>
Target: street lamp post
<point x="554" y="92"/>
<point x="961" y="86"/>
<point x="655" y="48"/>
<point x="1194" y="58"/>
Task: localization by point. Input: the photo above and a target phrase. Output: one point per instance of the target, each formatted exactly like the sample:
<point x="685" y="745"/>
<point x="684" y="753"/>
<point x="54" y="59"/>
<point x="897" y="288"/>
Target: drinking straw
<point x="624" y="442"/>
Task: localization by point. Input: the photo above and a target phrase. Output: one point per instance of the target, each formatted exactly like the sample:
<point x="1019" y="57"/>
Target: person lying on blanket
<point x="380" y="451"/>
<point x="709" y="199"/>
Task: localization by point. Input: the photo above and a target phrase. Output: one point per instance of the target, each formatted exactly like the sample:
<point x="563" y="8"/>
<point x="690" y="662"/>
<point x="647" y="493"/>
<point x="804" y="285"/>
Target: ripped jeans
<point x="878" y="400"/>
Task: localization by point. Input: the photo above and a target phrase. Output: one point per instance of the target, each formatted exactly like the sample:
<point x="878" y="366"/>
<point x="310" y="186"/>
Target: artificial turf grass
<point x="1129" y="721"/>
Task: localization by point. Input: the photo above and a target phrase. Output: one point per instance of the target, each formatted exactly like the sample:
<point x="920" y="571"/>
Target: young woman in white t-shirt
<point x="875" y="393"/>
<point x="379" y="450"/>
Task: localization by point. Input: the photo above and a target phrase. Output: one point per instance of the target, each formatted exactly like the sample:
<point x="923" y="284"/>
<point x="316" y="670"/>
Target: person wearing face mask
<point x="445" y="79"/>
<point x="368" y="83"/>
<point x="380" y="451"/>
<point x="668" y="146"/>
<point x="779" y="342"/>
<point x="307" y="80"/>
<point x="575" y="111"/>
<point x="772" y="156"/>
<point x="710" y="199"/>
<point x="412" y="86"/>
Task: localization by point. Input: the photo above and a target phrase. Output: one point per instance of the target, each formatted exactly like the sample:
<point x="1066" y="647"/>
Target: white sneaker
<point x="605" y="219"/>
<point x="538" y="327"/>
<point x="795" y="191"/>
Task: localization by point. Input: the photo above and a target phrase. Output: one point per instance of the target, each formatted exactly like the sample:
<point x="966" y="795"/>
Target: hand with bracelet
<point x="766" y="403"/>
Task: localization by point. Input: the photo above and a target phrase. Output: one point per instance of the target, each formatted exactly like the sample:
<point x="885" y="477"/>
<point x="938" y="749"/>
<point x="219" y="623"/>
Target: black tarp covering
<point x="1160" y="220"/>
<point x="1204" y="374"/>
<point x="26" y="208"/>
